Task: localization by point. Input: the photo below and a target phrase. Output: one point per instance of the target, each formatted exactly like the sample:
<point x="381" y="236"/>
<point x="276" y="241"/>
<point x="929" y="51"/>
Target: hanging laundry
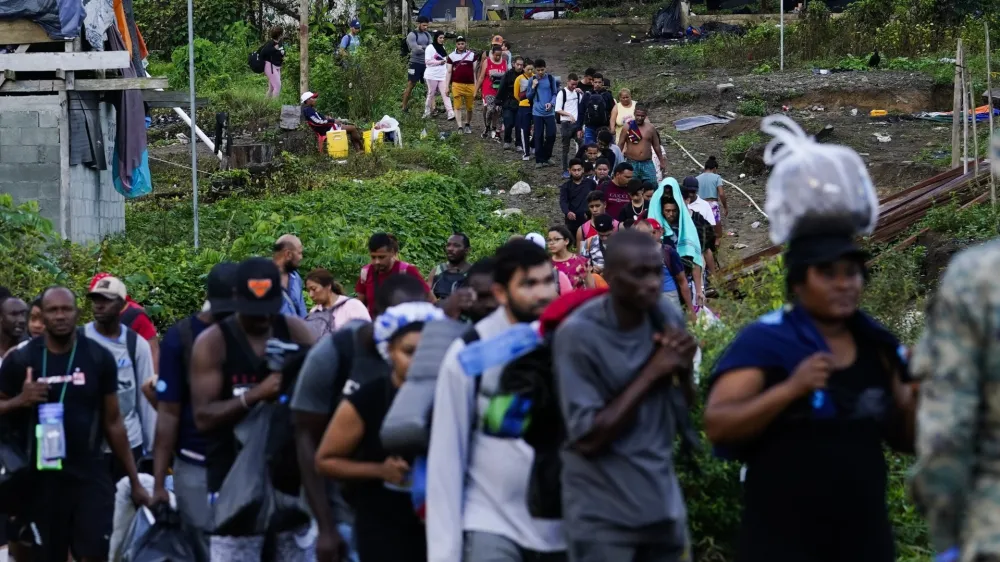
<point x="130" y="171"/>
<point x="100" y="15"/>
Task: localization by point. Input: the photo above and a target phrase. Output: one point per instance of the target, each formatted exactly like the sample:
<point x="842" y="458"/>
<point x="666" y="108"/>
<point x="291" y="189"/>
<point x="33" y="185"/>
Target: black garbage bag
<point x="170" y="539"/>
<point x="141" y="523"/>
<point x="667" y="22"/>
<point x="243" y="502"/>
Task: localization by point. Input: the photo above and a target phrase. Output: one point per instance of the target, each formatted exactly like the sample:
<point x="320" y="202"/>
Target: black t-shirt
<point x="379" y="511"/>
<point x="367" y="364"/>
<point x="815" y="488"/>
<point x="94" y="375"/>
<point x="627" y="216"/>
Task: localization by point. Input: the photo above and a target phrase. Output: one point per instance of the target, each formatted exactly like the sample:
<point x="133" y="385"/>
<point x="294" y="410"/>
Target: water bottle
<point x="423" y="134"/>
<point x="498" y="350"/>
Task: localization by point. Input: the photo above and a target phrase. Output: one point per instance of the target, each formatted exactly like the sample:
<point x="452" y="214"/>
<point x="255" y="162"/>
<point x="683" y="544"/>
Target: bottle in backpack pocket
<point x="501" y="349"/>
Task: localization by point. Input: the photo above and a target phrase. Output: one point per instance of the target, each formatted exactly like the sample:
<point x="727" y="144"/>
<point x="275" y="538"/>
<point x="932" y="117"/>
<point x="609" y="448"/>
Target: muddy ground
<point x="840" y="100"/>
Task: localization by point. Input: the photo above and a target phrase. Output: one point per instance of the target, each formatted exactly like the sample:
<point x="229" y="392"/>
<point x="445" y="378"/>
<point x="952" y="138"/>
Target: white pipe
<point x="695" y="160"/>
<point x="201" y="134"/>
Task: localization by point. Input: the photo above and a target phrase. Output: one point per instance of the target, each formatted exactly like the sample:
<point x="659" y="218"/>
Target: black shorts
<point x="71" y="515"/>
<point x="415" y="72"/>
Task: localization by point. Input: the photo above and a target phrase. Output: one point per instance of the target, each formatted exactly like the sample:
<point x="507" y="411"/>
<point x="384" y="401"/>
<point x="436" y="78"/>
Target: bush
<point x="753" y="107"/>
<point x="736" y="148"/>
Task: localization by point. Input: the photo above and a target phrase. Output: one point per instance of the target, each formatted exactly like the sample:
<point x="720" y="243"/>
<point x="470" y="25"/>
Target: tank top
<point x="494" y="73"/>
<point x="445" y="282"/>
<point x="242" y="370"/>
<point x="624" y="114"/>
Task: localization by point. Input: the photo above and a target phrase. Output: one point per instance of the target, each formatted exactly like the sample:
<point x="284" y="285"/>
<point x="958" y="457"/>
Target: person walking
<point x="508" y="102"/>
<point x="436" y="75"/>
<point x="383" y="249"/>
<point x="615" y="360"/>
<point x="350" y="42"/>
<point x="447" y="277"/>
<point x="13" y="323"/>
<point x="542" y="90"/>
<point x="808" y="396"/>
<point x="417" y="42"/>
<point x="462" y="64"/>
<point x="523" y="119"/>
<point x="639" y="142"/>
<point x="559" y="241"/>
<point x="491" y="72"/>
<point x="710" y="189"/>
<point x="287" y="255"/>
<point x="573" y="196"/>
<point x="333" y="309"/>
<point x="273" y="55"/>
<point x="597" y="109"/>
<point x="477" y="484"/>
<point x="376" y="483"/>
<point x="568" y="111"/>
<point x="623" y="111"/>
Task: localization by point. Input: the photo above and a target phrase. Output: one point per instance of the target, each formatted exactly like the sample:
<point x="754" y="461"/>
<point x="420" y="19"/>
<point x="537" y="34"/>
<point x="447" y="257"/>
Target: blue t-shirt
<point x="708" y="185"/>
<point x="172" y="387"/>
<point x="672" y="265"/>
<point x="350" y="43"/>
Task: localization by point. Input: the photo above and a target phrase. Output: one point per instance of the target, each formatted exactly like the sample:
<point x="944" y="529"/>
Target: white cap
<point x="536" y="238"/>
<point x="307" y="95"/>
<point x="110" y="287"/>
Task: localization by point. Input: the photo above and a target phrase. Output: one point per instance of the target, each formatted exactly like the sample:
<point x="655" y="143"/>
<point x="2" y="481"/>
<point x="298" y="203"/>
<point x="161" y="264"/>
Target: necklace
<point x="637" y="213"/>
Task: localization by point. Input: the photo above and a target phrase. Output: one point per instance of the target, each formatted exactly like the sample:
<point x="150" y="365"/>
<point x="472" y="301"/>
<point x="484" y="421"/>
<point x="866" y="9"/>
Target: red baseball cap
<point x="655" y="224"/>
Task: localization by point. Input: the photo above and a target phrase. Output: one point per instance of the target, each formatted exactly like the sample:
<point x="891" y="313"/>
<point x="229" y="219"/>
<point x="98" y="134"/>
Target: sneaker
<point x="526" y="157"/>
<point x="486" y="134"/>
<point x="565" y="175"/>
<point x="506" y="146"/>
<point x="468" y="129"/>
<point x="493" y="134"/>
<point x="539" y="165"/>
<point x="548" y="163"/>
<point x="451" y="116"/>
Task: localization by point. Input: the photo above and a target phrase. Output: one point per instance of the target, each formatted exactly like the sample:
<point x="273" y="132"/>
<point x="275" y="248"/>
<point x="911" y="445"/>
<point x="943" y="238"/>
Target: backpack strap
<point x="469" y="337"/>
<point x="344" y="344"/>
<point x="403" y="266"/>
<point x="186" y="332"/>
<point x="130" y="315"/>
<point x="555" y="277"/>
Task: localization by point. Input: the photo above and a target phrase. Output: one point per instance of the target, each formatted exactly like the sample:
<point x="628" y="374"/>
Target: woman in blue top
<point x="806" y="396"/>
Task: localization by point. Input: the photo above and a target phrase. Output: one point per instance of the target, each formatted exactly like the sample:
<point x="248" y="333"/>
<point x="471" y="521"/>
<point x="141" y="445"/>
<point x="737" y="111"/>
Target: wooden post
<point x="975" y="129"/>
<point x="989" y="96"/>
<point x="965" y="123"/>
<point x="303" y="46"/>
<point x="462" y="17"/>
<point x="956" y="108"/>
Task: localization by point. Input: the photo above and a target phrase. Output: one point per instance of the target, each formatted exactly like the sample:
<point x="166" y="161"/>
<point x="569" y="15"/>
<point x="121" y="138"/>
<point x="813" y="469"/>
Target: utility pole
<point x="303" y="46"/>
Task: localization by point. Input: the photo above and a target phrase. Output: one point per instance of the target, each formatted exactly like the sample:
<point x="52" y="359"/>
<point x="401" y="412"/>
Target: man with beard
<point x="13" y="323"/>
<point x="68" y="501"/>
<point x="335" y="365"/>
<point x="176" y="433"/>
<point x="446" y="277"/>
<point x="614" y="358"/>
<point x="229" y="376"/>
<point x="135" y="367"/>
<point x="639" y="141"/>
<point x="477" y="485"/>
<point x="288" y="256"/>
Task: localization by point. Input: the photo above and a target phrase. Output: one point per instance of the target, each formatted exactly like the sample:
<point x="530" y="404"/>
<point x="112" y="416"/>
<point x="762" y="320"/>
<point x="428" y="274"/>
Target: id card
<point x="41" y="462"/>
<point x="51" y="436"/>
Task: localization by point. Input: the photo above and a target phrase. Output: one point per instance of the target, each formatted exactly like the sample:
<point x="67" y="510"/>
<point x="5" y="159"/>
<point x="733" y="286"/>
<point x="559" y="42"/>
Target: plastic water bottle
<point x="498" y="350"/>
<point x="423" y="134"/>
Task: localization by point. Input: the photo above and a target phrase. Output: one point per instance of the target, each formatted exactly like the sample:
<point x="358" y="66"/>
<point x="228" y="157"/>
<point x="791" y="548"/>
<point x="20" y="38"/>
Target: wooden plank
<point x="47" y="62"/>
<point x="97" y="85"/>
<point x="170" y="99"/>
<point x="19" y="32"/>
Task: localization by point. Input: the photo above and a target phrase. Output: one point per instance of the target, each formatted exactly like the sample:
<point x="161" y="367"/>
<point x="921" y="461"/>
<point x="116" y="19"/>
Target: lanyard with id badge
<point x="50" y="432"/>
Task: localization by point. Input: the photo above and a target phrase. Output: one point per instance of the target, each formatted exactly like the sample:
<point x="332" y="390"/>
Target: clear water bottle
<point x="423" y="134"/>
<point x="501" y="349"/>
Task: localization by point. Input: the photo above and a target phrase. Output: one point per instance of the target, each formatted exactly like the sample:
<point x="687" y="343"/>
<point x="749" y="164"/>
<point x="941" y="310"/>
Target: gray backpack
<point x="406" y="428"/>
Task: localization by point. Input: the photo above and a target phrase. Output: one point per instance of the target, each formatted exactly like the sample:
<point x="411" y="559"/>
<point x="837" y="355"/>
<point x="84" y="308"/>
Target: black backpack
<point x="596" y="112"/>
<point x="255" y="61"/>
<point x="404" y="49"/>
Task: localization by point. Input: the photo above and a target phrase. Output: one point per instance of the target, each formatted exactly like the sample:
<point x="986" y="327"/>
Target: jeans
<point x="568" y="133"/>
<point x="545" y="137"/>
<point x="589" y="135"/>
<point x="273" y="79"/>
<point x="509" y="123"/>
<point x="524" y="121"/>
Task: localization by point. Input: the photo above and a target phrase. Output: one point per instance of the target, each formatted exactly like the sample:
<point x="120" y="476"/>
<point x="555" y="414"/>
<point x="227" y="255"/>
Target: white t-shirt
<point x="569" y="101"/>
<point x="702" y="207"/>
<point x="436" y="67"/>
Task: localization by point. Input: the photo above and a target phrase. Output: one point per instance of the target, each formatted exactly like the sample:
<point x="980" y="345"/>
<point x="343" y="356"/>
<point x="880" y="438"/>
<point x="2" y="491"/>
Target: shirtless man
<point x="639" y="151"/>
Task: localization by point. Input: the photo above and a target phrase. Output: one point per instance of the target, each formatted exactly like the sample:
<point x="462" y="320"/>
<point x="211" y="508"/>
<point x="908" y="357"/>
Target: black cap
<point x="423" y="19"/>
<point x="819" y="249"/>
<point x="603" y="223"/>
<point x="221" y="286"/>
<point x="258" y="288"/>
<point x="690" y="184"/>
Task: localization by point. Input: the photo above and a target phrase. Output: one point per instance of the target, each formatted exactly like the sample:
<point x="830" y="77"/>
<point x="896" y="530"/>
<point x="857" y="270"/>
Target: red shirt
<point x="142" y="325"/>
<point x="463" y="67"/>
<point x="370" y="280"/>
<point x="615" y="197"/>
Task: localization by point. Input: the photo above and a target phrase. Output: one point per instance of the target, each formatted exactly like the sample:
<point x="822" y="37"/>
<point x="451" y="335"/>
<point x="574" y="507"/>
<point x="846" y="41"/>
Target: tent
<point x="667" y="22"/>
<point x="543" y="13"/>
<point x="445" y="10"/>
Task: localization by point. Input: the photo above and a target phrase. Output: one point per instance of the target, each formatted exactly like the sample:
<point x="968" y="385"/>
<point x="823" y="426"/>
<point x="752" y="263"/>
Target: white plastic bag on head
<point x="810" y="178"/>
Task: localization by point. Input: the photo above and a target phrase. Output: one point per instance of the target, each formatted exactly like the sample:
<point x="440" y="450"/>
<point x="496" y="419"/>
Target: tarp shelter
<point x="667" y="22"/>
<point x="548" y="13"/>
<point x="445" y="10"/>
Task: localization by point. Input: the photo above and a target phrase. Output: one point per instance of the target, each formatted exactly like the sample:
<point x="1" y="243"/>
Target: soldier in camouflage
<point x="956" y="481"/>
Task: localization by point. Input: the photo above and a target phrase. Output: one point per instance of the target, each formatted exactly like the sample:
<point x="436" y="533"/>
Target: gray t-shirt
<point x="418" y="42"/>
<point x="630" y="493"/>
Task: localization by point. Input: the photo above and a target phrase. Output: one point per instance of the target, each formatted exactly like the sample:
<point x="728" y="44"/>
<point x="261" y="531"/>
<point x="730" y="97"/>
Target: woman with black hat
<point x="806" y="396"/>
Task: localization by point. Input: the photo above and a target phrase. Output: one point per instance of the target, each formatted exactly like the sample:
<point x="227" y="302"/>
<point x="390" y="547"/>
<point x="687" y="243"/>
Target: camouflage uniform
<point x="956" y="480"/>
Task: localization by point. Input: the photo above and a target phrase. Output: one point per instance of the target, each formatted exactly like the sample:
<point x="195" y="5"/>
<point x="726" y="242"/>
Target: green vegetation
<point x="736" y="148"/>
<point x="752" y="107"/>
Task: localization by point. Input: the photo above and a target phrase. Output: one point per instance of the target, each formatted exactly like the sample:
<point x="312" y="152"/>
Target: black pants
<point x="524" y="129"/>
<point x="545" y="137"/>
<point x="72" y="515"/>
<point x="568" y="133"/>
<point x="509" y="123"/>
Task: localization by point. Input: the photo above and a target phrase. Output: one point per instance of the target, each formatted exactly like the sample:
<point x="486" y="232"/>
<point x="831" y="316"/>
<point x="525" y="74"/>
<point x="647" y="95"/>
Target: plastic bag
<point x="141" y="523"/>
<point x="242" y="501"/>
<point x="125" y="510"/>
<point x="810" y="178"/>
<point x="170" y="540"/>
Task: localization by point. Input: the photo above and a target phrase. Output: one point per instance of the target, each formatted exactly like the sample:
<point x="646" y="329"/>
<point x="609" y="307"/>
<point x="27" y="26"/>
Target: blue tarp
<point x="61" y="19"/>
<point x="444" y="10"/>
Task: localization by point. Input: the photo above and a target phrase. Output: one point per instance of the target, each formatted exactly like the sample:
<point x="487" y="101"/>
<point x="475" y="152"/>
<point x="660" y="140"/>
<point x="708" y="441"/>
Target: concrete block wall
<point x="30" y="169"/>
<point x="29" y="153"/>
